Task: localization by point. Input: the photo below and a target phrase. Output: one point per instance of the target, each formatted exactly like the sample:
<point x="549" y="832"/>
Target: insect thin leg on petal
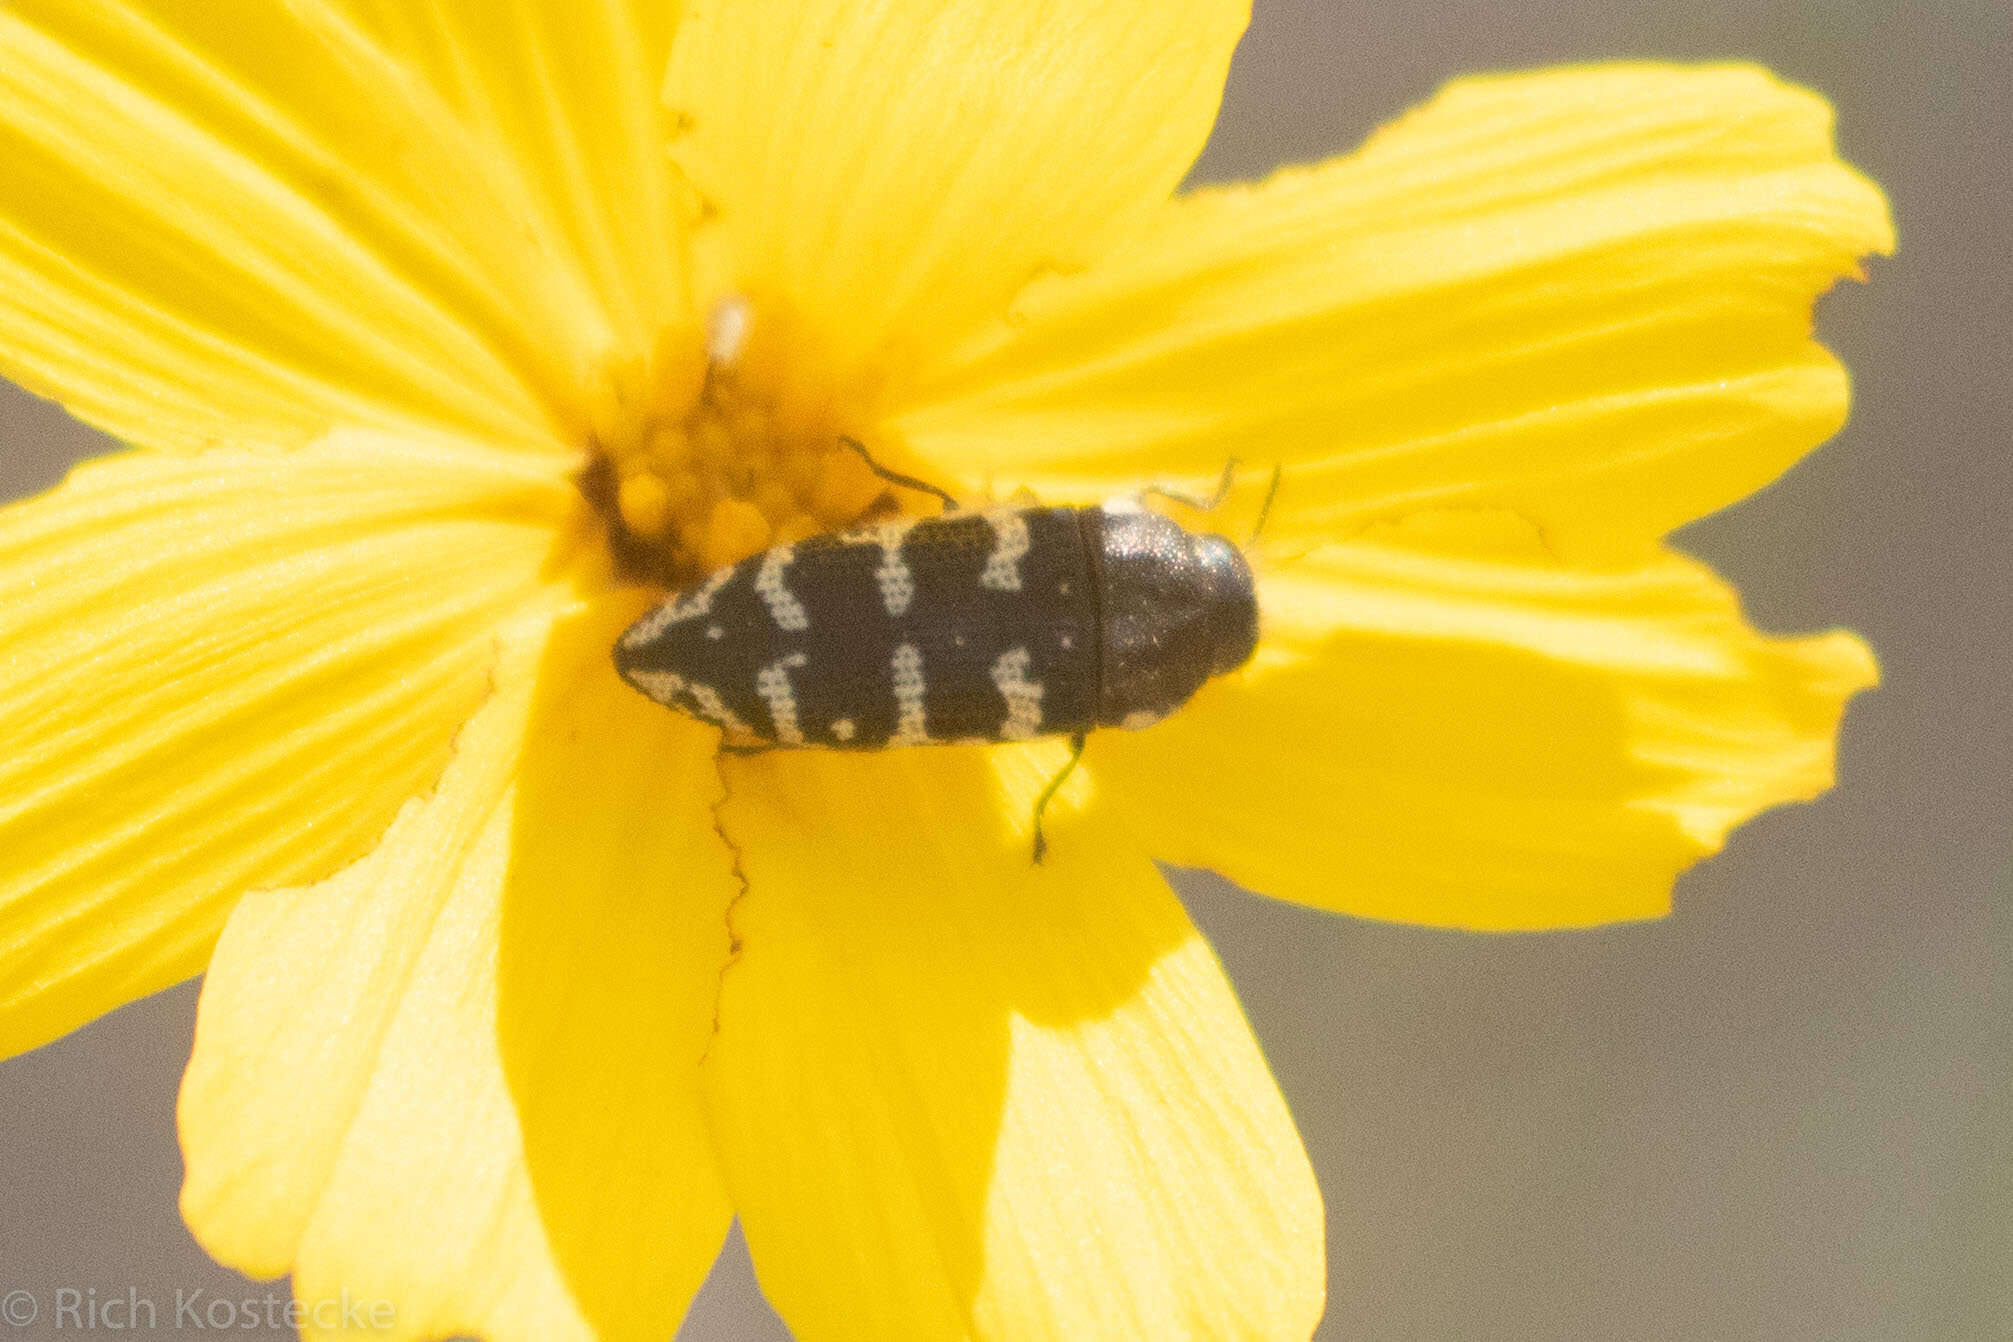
<point x="1076" y="744"/>
<point x="896" y="477"/>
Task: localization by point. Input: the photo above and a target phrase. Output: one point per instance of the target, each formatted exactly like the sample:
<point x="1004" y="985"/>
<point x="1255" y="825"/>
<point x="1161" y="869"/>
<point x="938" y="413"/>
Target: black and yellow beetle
<point x="1002" y="624"/>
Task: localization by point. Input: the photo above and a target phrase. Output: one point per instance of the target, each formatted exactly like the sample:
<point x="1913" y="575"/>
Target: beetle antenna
<point x="1076" y="741"/>
<point x="1265" y="508"/>
<point x="896" y="477"/>
<point x="1215" y="500"/>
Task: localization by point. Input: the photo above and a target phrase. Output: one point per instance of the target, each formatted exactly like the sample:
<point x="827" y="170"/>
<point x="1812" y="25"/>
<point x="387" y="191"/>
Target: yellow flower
<point x="516" y="994"/>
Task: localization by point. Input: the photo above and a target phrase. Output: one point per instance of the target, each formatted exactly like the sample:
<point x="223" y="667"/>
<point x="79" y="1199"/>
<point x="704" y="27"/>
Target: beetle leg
<point x="896" y="477"/>
<point x="1076" y="741"/>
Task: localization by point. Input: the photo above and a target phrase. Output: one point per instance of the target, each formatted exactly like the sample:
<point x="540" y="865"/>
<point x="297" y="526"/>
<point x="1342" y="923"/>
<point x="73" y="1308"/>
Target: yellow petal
<point x="896" y="172"/>
<point x="957" y="1095"/>
<point x="613" y="938"/>
<point x="567" y="95"/>
<point x="239" y="221"/>
<point x="229" y="669"/>
<point x="1582" y="294"/>
<point x="460" y="1078"/>
<point x="1444" y="725"/>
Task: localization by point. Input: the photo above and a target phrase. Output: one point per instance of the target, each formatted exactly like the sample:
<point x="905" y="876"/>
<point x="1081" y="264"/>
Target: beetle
<point x="998" y="624"/>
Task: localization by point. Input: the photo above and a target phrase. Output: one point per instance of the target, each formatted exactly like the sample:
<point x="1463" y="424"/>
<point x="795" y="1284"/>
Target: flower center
<point x="698" y="463"/>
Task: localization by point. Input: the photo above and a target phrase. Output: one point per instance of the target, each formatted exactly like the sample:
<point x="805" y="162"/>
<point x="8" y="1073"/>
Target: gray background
<point x="1787" y="1111"/>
